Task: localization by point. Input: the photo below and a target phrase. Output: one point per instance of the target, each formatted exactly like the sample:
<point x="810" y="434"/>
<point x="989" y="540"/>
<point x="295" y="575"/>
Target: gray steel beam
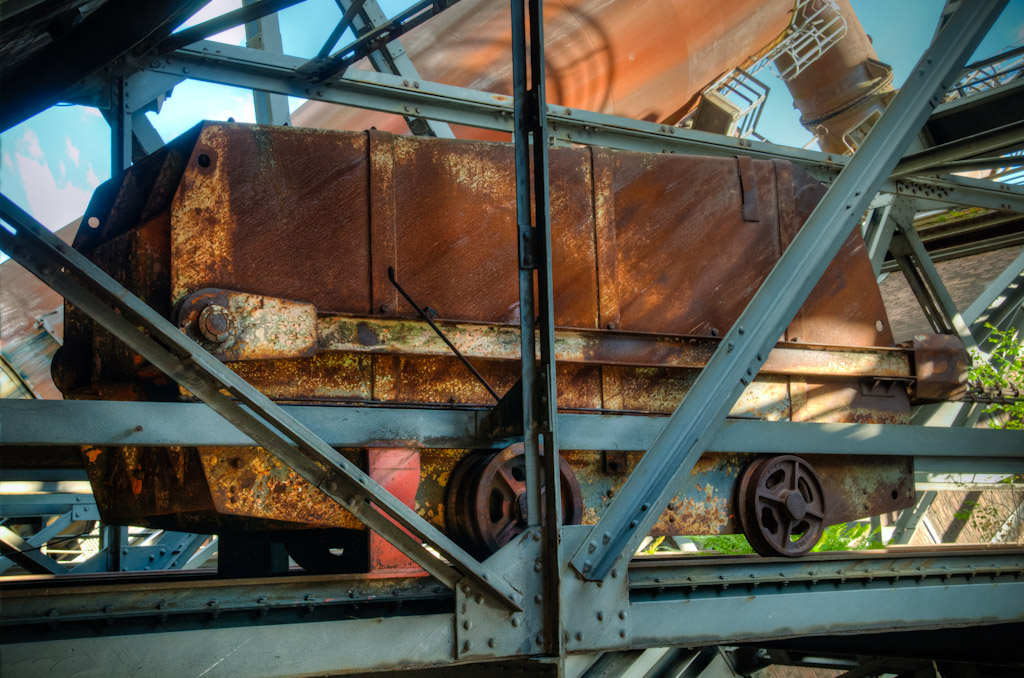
<point x="391" y="58"/>
<point x="81" y="506"/>
<point x="265" y="33"/>
<point x="81" y="422"/>
<point x="146" y="136"/>
<point x="537" y="307"/>
<point x="887" y="213"/>
<point x="724" y="601"/>
<point x="165" y="347"/>
<point x="671" y="601"/>
<point x="911" y="517"/>
<point x="26" y="555"/>
<point x="38" y="539"/>
<point x="1004" y="291"/>
<point x="927" y="285"/>
<point x="241" y="67"/>
<point x="997" y="141"/>
<point x="263" y="651"/>
<point x="652" y="483"/>
<point x="120" y="118"/>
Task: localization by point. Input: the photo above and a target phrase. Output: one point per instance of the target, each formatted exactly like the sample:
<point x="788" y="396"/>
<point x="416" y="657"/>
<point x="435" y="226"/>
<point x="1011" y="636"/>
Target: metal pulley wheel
<point x="781" y="506"/>
<point x="486" y="504"/>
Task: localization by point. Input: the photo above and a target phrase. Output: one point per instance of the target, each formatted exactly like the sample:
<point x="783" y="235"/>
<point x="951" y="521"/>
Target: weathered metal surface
<point x="940" y="363"/>
<point x="397" y="470"/>
<point x="850" y="401"/>
<point x="265" y="328"/>
<point x="643" y="240"/>
<point x="239" y="326"/>
<point x="31" y="326"/>
<point x="318" y="218"/>
<point x="252" y="482"/>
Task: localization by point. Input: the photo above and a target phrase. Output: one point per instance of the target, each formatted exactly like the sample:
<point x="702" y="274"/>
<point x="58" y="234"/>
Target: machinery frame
<point x="558" y="596"/>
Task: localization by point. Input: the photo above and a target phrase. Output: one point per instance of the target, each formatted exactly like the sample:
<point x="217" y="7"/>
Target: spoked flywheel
<point x="781" y="506"/>
<point x="486" y="502"/>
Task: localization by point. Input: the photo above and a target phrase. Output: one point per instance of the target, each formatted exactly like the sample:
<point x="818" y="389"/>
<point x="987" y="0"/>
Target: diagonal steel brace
<point x="101" y="297"/>
<point x="743" y="350"/>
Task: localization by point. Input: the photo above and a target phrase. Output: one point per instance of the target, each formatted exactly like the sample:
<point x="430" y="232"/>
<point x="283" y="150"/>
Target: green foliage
<point x="842" y="537"/>
<point x="987" y="519"/>
<point x="729" y="544"/>
<point x="846" y="537"/>
<point x="1003" y="368"/>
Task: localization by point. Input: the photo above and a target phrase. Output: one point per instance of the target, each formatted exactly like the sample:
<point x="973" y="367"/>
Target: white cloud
<point x="232" y="36"/>
<point x="7" y="161"/>
<point x="31" y="141"/>
<point x="91" y="178"/>
<point x="52" y="205"/>
<point x="90" y="111"/>
<point x="63" y="171"/>
<point x="73" y="152"/>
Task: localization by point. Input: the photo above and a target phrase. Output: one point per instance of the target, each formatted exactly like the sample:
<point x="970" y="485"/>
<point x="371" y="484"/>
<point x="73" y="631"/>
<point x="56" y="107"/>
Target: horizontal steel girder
<point x="255" y="69"/>
<point x="120" y="629"/>
<point x="91" y="422"/>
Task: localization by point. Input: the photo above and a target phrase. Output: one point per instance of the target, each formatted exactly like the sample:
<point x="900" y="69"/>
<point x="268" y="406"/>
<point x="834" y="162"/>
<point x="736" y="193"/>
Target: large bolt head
<point x="214" y="323"/>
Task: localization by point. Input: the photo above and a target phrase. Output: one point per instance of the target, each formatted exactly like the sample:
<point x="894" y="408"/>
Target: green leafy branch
<point x="1001" y="370"/>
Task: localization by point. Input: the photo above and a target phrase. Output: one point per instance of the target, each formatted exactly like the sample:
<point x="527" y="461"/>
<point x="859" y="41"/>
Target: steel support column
<point x="910" y="518"/>
<point x="539" y="390"/>
<point x="927" y="285"/>
<point x="265" y="33"/>
<point x="687" y="434"/>
<point x="888" y="213"/>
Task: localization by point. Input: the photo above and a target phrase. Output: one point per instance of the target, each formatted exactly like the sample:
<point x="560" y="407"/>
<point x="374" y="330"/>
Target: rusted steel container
<point x="645" y="60"/>
<point x="290" y="233"/>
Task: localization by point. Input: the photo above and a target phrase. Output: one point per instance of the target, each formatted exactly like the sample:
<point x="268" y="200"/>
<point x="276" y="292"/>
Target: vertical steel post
<point x="265" y="33"/>
<point x="120" y="119"/>
<point x="538" y="380"/>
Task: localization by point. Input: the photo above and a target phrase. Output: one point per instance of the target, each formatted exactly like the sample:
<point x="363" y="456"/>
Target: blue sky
<point x="52" y="163"/>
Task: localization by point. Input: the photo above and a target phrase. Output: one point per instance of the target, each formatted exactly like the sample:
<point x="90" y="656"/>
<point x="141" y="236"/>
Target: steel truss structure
<point x="558" y="600"/>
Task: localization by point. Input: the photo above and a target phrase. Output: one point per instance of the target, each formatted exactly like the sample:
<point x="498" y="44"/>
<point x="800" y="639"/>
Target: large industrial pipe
<point x="642" y="60"/>
<point x="648" y="60"/>
<point x="843" y="92"/>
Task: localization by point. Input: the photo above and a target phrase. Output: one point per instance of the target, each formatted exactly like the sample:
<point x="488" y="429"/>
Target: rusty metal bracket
<point x="505" y="420"/>
<point x="426" y="316"/>
<point x="484" y="631"/>
<point x="240" y="326"/>
<point x="940" y="365"/>
<point x="597" y="614"/>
